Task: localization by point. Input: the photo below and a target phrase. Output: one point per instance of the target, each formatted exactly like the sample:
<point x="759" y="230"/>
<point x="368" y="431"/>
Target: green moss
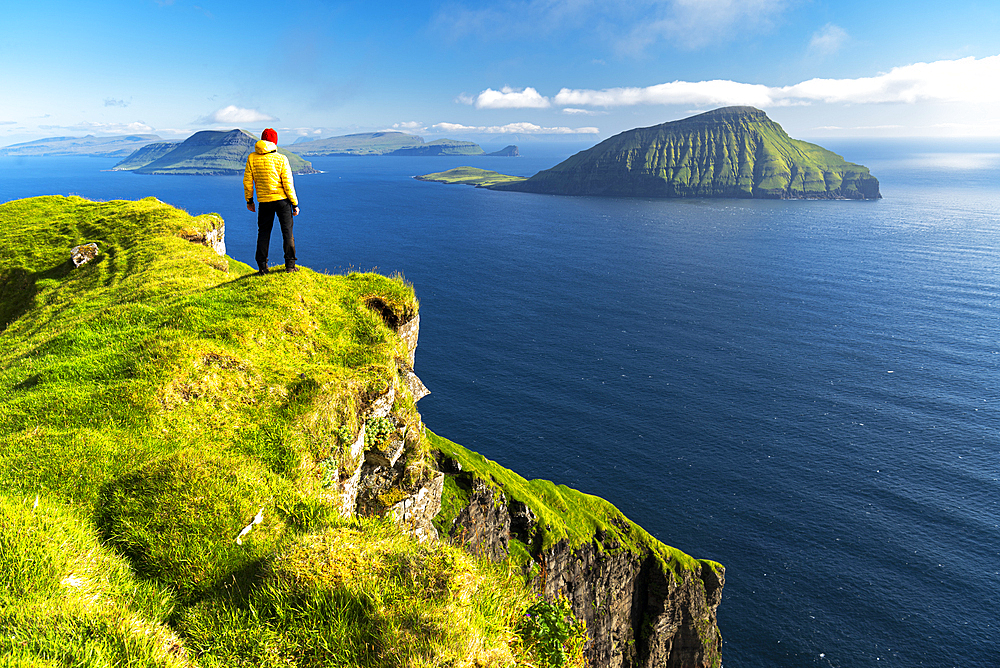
<point x="454" y="498"/>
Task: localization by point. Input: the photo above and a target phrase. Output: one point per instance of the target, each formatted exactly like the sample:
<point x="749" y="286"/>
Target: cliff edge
<point x="206" y="467"/>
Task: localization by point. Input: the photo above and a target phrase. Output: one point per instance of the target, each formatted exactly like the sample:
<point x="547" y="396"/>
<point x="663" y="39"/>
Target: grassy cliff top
<point x="159" y="403"/>
<point x="566" y="514"/>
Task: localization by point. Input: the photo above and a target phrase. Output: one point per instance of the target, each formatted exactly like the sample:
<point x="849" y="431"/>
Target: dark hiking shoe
<point x="290" y="268"/>
<point x="262" y="271"/>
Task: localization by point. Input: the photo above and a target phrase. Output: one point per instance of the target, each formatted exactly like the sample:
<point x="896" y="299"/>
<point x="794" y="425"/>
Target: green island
<point x="207" y="467"/>
<point x="735" y="152"/>
<point x="113" y="146"/>
<point x="470" y="176"/>
<point x="385" y="143"/>
<point x="207" y="153"/>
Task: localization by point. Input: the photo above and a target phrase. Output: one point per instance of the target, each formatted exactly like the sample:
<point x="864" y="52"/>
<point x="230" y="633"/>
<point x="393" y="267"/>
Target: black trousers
<point x="265" y="223"/>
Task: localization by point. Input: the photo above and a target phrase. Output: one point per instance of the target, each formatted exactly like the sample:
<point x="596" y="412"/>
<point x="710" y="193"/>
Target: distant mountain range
<point x="106" y="147"/>
<point x="207" y="152"/>
<point x="392" y="143"/>
<point x="728" y="152"/>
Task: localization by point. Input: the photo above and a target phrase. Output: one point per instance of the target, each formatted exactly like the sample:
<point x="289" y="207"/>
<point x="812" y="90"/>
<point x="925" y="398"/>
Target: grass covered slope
<point x="144" y="155"/>
<point x="728" y="152"/>
<point x="168" y="425"/>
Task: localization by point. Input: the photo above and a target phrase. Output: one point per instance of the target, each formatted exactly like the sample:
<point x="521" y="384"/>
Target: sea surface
<point x="805" y="391"/>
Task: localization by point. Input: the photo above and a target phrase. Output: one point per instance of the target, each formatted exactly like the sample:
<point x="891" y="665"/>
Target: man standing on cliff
<point x="270" y="172"/>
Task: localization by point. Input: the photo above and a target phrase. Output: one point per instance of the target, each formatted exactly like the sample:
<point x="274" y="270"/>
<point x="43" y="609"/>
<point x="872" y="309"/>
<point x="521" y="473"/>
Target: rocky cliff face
<point x="643" y="607"/>
<point x="646" y="605"/>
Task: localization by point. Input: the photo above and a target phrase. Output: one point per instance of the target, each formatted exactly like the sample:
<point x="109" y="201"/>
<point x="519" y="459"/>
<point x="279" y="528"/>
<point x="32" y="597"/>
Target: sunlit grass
<point x="171" y="410"/>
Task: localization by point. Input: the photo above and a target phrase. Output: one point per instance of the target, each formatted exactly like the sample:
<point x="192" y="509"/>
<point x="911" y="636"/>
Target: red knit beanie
<point x="270" y="135"/>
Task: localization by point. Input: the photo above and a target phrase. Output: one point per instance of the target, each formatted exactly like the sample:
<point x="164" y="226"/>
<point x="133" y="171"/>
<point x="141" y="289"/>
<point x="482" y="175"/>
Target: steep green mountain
<point x="108" y="147"/>
<point x="729" y="152"/>
<point x="207" y="152"/>
<point x="203" y="467"/>
<point x="386" y="143"/>
<point x="145" y="155"/>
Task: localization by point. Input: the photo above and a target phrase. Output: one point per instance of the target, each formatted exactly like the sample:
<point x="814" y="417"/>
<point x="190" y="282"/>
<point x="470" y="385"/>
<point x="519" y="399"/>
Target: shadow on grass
<point x="18" y="288"/>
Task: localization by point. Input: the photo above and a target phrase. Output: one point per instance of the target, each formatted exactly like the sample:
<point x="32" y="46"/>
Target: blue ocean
<point x="805" y="391"/>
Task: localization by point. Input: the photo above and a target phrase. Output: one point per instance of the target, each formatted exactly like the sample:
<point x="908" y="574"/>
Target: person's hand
<point x="250" y="206"/>
<point x="295" y="210"/>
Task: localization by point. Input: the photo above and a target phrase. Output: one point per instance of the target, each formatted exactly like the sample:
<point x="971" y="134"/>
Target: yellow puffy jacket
<point x="270" y="172"/>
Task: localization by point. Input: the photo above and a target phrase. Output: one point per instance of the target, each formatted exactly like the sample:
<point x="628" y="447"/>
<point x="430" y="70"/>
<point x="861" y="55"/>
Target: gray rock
<point x="387" y="456"/>
<point x="638" y="613"/>
<point x="347" y="487"/>
<point x="410" y="331"/>
<point x="214" y="237"/>
<point x="83" y="254"/>
<point x="483" y="526"/>
<point x="413" y="384"/>
<point x="417" y="510"/>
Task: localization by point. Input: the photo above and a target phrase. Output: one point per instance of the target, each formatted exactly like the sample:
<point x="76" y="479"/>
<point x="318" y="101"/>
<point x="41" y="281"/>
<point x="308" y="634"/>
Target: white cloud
<point x="514" y="128"/>
<point x="581" y="112"/>
<point x="408" y="126"/>
<point x="135" y="128"/>
<point x="511" y="98"/>
<point x="699" y="93"/>
<point x="112" y="102"/>
<point x="828" y="40"/>
<point x="455" y="127"/>
<point x="968" y="80"/>
<point x="235" y="115"/>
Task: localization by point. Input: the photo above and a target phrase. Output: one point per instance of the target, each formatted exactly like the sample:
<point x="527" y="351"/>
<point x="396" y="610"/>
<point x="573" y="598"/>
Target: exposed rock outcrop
<point x="83" y="254"/>
<point x="213" y="235"/>
<point x="645" y="604"/>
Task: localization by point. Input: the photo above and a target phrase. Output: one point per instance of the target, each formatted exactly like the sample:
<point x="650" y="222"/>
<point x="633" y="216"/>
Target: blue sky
<point x="491" y="71"/>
